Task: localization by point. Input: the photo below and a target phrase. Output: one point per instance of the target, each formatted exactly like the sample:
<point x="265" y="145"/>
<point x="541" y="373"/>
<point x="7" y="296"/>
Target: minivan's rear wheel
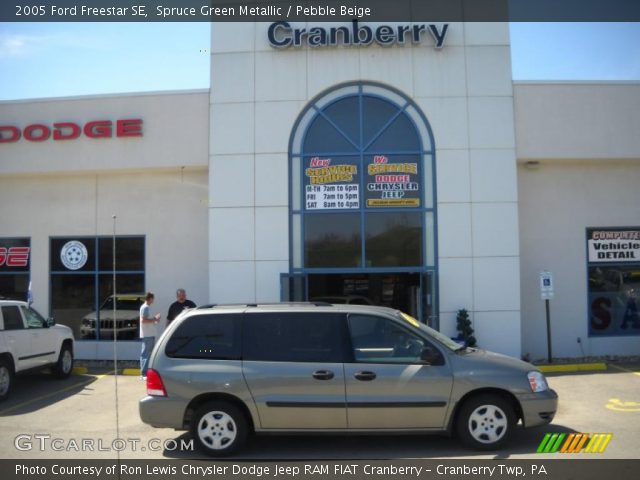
<point x="219" y="428"/>
<point x="6" y="378"/>
<point x="64" y="366"/>
<point x="486" y="422"/>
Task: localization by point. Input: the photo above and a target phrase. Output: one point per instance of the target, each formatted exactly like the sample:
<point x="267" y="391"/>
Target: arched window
<point x="362" y="190"/>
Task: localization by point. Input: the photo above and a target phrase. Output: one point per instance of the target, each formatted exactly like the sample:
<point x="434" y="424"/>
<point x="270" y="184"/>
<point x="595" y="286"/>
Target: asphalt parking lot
<point x="49" y="417"/>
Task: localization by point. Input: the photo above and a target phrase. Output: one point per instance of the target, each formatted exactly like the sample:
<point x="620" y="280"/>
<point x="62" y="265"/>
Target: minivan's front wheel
<point x="486" y="422"/>
<point x="219" y="428"/>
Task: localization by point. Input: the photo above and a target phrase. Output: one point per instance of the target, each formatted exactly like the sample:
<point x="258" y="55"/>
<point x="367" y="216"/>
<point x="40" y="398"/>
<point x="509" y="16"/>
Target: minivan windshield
<point x="443" y="339"/>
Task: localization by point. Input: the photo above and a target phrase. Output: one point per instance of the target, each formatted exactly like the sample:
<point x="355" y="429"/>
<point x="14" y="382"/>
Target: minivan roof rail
<point x="266" y="304"/>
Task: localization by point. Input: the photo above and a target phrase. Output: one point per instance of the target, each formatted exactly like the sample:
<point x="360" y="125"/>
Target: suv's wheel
<point x="6" y="378"/>
<point x="219" y="428"/>
<point x="486" y="422"/>
<point x="64" y="366"/>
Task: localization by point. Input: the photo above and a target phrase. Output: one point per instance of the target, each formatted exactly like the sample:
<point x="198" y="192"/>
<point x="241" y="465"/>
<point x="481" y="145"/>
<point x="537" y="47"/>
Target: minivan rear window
<point x="213" y="337"/>
<point x="293" y="337"/>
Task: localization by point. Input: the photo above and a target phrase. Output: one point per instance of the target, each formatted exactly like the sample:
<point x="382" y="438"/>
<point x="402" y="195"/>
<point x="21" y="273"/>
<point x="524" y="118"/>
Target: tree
<point x="464" y="327"/>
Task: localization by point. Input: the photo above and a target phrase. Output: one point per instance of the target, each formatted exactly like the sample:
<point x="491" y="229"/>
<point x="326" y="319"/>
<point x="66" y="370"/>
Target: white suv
<point x="29" y="342"/>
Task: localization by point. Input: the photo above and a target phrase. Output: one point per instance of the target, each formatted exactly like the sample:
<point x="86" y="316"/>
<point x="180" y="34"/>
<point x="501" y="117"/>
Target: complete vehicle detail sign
<point x="283" y="35"/>
<point x="614" y="245"/>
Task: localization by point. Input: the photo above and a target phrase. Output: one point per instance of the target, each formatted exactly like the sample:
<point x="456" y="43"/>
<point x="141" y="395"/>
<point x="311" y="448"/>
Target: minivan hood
<point x="485" y="359"/>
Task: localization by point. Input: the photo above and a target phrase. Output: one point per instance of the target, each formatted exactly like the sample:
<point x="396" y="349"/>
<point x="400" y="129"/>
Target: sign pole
<point x="546" y="294"/>
<point x="549" y="355"/>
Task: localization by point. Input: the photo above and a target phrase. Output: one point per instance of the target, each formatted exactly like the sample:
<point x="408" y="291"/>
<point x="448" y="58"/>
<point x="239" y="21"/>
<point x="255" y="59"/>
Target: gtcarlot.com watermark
<point x="43" y="442"/>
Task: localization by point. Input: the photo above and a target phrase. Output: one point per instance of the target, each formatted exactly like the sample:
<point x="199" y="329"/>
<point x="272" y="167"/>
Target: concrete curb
<point x="573" y="367"/>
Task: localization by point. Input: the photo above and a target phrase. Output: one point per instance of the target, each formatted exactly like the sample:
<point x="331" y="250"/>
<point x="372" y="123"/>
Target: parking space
<point x="53" y="419"/>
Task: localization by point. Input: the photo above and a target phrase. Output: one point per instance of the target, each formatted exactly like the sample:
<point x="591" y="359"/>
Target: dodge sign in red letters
<point x="39" y="132"/>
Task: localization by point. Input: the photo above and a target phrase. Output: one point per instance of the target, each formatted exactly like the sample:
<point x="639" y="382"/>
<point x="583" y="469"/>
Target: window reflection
<point x="393" y="239"/>
<point x="332" y="240"/>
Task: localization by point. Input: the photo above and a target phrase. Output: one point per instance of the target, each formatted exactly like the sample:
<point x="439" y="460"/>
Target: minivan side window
<point x="213" y="337"/>
<point x="293" y="337"/>
<point x="12" y="318"/>
<point x="381" y="340"/>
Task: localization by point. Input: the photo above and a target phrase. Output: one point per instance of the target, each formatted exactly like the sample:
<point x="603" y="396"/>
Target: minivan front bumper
<point x="538" y="408"/>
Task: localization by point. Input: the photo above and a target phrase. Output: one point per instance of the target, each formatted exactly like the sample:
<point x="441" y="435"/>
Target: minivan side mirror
<point x="431" y="356"/>
<point x="50" y="322"/>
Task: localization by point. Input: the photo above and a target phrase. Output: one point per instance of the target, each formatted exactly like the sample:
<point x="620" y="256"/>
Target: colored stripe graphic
<point x="544" y="441"/>
<point x="556" y="445"/>
<point x="551" y="443"/>
<point x="598" y="443"/>
<point x="574" y="443"/>
<point x="567" y="444"/>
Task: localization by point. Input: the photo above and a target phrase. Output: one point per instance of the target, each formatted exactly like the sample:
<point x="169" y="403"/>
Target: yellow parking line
<point x="51" y="394"/>
<point x="572" y="367"/>
<point x="625" y="370"/>
<point x="131" y="371"/>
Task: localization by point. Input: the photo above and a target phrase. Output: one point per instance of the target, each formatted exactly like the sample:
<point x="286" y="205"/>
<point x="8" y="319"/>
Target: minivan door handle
<point x="365" y="376"/>
<point x="323" y="375"/>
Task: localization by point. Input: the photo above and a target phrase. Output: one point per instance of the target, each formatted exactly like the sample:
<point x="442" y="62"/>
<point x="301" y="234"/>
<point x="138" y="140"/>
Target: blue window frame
<point x="81" y="280"/>
<point x="362" y="184"/>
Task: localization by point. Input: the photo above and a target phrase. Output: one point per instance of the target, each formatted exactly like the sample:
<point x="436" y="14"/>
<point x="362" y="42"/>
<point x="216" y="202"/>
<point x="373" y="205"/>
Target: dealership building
<point x="392" y="164"/>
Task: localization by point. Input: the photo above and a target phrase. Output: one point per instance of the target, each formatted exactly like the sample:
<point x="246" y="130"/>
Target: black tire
<point x="219" y="428"/>
<point x="486" y="422"/>
<point x="64" y="365"/>
<point x="6" y="378"/>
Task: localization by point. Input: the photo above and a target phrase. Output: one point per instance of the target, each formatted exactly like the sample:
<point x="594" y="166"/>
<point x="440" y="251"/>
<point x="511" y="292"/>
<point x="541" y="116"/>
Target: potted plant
<point x="465" y="331"/>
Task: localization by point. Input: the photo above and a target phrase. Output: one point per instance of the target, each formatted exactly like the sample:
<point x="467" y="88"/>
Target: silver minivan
<point x="224" y="372"/>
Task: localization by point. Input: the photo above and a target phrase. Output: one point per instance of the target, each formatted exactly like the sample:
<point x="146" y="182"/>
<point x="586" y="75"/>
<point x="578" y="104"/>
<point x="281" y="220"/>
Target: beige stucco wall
<point x="577" y="120"/>
<point x="558" y="201"/>
<point x="175" y="133"/>
<point x="156" y="185"/>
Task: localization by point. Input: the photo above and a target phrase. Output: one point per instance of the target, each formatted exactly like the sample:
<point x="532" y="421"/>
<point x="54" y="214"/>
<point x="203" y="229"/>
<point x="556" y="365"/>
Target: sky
<point x="67" y="59"/>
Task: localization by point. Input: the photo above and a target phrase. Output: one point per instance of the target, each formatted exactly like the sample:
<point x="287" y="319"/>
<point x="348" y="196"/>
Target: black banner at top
<point x="319" y="10"/>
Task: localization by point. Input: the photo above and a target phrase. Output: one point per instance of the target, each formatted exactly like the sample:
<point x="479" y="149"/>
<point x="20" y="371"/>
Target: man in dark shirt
<point x="181" y="304"/>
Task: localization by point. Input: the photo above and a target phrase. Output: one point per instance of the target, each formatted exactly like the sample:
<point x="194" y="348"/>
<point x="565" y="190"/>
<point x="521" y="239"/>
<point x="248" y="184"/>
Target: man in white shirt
<point x="147" y="332"/>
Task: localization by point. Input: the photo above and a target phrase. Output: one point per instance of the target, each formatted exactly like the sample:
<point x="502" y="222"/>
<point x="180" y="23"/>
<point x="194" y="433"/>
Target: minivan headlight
<point x="537" y="382"/>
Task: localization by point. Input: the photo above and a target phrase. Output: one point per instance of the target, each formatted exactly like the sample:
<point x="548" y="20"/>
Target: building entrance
<point x="412" y="293"/>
